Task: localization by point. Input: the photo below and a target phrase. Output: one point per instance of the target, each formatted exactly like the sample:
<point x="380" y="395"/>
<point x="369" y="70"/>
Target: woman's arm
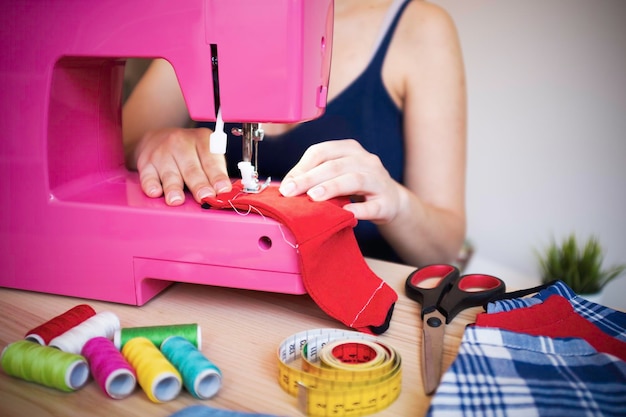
<point x="431" y="224"/>
<point x="424" y="219"/>
<point x="167" y="155"/>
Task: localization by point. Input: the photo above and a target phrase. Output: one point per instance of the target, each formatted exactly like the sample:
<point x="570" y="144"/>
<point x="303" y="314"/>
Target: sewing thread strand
<point x="250" y="209"/>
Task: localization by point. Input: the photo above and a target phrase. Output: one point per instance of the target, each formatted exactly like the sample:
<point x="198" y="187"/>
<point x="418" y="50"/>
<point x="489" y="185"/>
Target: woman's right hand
<point x="168" y="159"/>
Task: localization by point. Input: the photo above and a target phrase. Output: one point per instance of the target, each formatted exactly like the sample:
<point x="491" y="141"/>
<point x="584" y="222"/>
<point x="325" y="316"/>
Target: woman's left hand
<point x="344" y="168"/>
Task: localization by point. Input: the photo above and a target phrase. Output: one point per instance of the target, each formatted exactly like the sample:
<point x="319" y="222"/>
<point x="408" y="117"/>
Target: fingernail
<point x="174" y="197"/>
<point x="287" y="188"/>
<point x="316" y="192"/>
<point x="222" y="186"/>
<point x="205" y="192"/>
<point x="153" y="192"/>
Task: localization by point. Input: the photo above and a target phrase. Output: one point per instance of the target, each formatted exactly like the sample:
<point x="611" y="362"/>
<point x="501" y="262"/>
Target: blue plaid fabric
<point x="610" y="321"/>
<point x="502" y="373"/>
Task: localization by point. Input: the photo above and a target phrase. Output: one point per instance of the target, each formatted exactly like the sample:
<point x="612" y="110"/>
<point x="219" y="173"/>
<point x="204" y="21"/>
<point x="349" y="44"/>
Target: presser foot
<point x="258" y="188"/>
<point x="250" y="180"/>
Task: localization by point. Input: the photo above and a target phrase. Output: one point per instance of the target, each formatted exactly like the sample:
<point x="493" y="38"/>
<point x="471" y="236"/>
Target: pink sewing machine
<point x="74" y="220"/>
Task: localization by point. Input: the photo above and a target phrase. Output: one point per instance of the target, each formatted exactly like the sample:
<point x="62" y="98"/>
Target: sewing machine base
<point x="110" y="242"/>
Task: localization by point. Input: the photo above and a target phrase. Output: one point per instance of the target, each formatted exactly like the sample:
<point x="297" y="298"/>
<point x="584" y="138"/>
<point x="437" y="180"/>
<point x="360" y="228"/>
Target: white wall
<point x="547" y="126"/>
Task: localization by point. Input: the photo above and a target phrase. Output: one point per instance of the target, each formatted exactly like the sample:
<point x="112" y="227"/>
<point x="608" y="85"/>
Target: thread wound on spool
<point x="102" y="324"/>
<point x="115" y="376"/>
<point x="158" y="378"/>
<point x="201" y="377"/>
<point x="58" y="325"/>
<point x="157" y="334"/>
<point x="45" y="365"/>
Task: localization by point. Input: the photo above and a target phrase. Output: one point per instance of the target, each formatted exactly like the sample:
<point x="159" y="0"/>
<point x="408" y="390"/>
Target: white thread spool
<point x="103" y="324"/>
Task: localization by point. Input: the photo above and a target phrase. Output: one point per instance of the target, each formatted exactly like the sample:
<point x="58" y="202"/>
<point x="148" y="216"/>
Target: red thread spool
<point x="58" y="325"/>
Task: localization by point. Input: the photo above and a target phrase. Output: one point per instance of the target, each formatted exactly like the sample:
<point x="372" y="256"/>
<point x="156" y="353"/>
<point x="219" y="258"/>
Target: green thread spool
<point x="157" y="334"/>
<point x="200" y="376"/>
<point x="45" y="365"/>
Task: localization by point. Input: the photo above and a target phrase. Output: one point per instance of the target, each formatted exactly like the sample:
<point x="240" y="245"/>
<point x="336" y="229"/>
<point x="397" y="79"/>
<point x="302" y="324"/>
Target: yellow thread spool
<point x="158" y="378"/>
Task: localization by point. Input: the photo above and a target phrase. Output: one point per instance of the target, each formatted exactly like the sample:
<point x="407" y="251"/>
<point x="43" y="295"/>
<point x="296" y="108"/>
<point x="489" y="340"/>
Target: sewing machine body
<point x="74" y="220"/>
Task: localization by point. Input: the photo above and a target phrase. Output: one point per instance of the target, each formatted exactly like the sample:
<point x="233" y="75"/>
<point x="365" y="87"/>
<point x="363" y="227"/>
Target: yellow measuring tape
<point x="341" y="373"/>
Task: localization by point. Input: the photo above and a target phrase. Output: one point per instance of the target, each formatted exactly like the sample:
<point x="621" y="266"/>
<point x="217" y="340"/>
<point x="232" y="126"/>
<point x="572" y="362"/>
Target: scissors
<point x="443" y="293"/>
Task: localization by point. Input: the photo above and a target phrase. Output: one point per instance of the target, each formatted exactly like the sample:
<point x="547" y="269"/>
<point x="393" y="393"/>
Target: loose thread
<point x="250" y="209"/>
<point x="45" y="365"/>
<point x="102" y="324"/>
<point x="366" y="304"/>
<point x="109" y="368"/>
<point x="157" y="334"/>
<point x="201" y="377"/>
<point x="158" y="378"/>
<point x="58" y="325"/>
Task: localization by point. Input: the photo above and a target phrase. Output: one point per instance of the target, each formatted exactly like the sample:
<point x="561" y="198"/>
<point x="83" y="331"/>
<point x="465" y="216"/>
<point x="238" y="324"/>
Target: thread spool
<point x="157" y="334"/>
<point x="109" y="368"/>
<point x="200" y="376"/>
<point x="102" y="324"/>
<point x="45" y="365"/>
<point x="158" y="378"/>
<point x="58" y="325"/>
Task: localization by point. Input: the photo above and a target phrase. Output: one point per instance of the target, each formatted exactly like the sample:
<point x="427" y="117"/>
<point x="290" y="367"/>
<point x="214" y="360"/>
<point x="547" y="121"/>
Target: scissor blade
<point x="432" y="350"/>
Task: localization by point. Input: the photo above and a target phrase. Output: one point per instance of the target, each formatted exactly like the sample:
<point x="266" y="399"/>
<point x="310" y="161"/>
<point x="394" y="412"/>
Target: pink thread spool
<point x="109" y="368"/>
<point x="58" y="325"/>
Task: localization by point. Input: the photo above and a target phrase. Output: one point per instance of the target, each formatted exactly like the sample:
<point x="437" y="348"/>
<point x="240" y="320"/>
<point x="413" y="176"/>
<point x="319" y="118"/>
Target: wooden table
<point x="241" y="332"/>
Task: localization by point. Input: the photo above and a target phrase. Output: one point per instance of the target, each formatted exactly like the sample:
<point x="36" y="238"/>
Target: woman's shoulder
<point x="424" y="46"/>
<point x="426" y="22"/>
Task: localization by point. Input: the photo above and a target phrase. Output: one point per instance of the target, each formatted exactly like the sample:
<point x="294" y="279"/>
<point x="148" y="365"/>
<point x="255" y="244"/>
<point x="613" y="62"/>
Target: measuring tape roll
<point x="341" y="373"/>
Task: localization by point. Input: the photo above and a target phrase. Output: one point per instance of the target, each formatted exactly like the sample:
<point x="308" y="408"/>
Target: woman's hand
<point x="168" y="159"/>
<point x="344" y="168"/>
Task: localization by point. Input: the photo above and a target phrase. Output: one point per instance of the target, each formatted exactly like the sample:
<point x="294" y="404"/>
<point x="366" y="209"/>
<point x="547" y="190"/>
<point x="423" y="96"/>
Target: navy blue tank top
<point x="364" y="111"/>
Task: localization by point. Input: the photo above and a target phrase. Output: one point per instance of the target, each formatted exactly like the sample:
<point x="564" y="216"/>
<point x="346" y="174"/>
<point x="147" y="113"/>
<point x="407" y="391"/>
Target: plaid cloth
<point x="610" y="321"/>
<point x="502" y="373"/>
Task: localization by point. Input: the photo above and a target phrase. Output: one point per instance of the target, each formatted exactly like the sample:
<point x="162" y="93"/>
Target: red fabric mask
<point x="333" y="269"/>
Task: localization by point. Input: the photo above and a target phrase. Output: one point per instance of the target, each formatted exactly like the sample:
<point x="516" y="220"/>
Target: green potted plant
<point x="580" y="267"/>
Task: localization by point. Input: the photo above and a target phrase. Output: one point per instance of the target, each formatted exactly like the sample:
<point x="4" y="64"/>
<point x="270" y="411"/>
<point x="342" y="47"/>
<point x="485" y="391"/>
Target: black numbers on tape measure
<point x="328" y="385"/>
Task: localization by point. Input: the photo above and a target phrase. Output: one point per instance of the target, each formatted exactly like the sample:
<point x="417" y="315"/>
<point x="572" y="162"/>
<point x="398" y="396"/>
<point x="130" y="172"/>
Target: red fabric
<point x="555" y="317"/>
<point x="333" y="269"/>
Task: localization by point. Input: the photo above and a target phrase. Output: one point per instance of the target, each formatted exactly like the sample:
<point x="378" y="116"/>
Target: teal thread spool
<point x="157" y="334"/>
<point x="200" y="376"/>
<point x="45" y="365"/>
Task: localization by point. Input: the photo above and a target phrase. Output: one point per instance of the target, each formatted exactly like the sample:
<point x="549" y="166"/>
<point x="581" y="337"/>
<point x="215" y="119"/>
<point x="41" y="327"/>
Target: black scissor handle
<point x="428" y="284"/>
<point x="470" y="291"/>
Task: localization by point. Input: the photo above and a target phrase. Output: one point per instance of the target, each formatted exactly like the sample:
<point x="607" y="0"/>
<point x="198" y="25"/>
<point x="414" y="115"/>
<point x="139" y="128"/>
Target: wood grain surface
<point x="241" y="331"/>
